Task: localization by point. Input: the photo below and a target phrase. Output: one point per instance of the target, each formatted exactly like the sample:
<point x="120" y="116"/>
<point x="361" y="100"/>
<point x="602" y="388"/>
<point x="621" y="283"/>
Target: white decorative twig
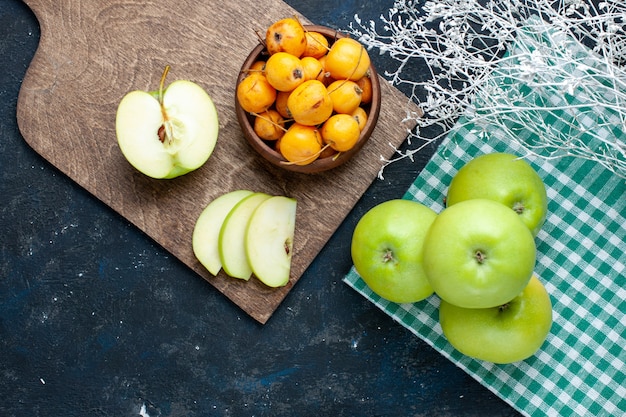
<point x="523" y="68"/>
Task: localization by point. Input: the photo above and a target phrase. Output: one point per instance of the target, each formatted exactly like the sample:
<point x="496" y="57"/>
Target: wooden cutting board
<point x="93" y="52"/>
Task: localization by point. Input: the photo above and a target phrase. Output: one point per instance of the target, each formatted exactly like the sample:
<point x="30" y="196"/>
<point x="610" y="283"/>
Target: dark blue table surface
<point x="98" y="320"/>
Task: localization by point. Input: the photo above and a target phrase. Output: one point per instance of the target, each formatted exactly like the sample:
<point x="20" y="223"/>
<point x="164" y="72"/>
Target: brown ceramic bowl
<point x="265" y="149"/>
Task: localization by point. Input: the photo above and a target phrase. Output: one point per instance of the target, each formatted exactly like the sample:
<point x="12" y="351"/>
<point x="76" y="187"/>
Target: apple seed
<point x="161" y="134"/>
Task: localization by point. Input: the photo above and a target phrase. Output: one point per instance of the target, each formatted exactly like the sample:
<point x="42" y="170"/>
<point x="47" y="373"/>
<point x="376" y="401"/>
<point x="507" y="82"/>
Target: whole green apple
<point x="507" y="333"/>
<point x="505" y="178"/>
<point x="169" y="132"/>
<point x="387" y="250"/>
<point x="478" y="254"/>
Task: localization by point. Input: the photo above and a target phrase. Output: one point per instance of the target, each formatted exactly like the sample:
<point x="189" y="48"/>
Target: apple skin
<point x="387" y="250"/>
<point x="193" y="121"/>
<point x="478" y="254"/>
<point x="502" y="334"/>
<point x="205" y="237"/>
<point x="505" y="178"/>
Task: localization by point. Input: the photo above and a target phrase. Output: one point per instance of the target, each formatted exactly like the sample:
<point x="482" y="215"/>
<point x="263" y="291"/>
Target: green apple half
<point x="478" y="254"/>
<point x="231" y="245"/>
<point x="505" y="178"/>
<point x="387" y="250"/>
<point x="269" y="240"/>
<point x="502" y="334"/>
<point x="167" y="133"/>
<point x="206" y="232"/>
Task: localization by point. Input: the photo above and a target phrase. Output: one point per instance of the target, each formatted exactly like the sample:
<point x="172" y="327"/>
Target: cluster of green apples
<point x="478" y="255"/>
<point x="244" y="233"/>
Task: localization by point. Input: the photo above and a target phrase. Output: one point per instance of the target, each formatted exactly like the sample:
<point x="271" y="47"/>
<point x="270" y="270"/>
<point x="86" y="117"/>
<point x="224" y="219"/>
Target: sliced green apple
<point x="269" y="240"/>
<point x="167" y="133"/>
<point x="232" y="233"/>
<point x="207" y="229"/>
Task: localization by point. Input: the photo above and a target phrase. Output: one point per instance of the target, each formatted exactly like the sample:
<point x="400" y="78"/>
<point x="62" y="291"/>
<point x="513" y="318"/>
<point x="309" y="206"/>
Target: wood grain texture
<point x="93" y="52"/>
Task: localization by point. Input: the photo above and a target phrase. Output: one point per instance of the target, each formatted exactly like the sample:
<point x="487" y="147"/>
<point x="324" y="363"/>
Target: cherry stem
<point x="307" y="158"/>
<point x="317" y="40"/>
<point x="261" y="38"/>
<point x="269" y="120"/>
<point x="357" y="62"/>
<point x="297" y="19"/>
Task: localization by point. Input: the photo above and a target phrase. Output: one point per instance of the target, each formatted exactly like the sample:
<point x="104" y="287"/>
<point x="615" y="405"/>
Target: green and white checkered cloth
<point x="580" y="369"/>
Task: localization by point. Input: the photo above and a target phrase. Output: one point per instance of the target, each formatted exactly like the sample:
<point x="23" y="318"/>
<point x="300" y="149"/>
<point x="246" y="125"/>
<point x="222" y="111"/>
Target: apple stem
<point x="518" y="207"/>
<point x="480" y="256"/>
<point x="165" y="131"/>
<point x="162" y="83"/>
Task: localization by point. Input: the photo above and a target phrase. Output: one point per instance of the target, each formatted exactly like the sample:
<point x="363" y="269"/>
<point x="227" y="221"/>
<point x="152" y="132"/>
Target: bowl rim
<point x="321" y="164"/>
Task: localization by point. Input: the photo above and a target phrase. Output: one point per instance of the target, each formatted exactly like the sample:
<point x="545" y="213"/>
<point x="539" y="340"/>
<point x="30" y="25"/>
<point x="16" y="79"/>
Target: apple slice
<point x="232" y="234"/>
<point x="269" y="240"/>
<point x="167" y="133"/>
<point x="207" y="229"/>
